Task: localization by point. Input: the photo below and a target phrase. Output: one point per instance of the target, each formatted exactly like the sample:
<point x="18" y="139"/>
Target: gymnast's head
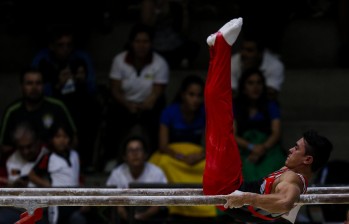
<point x="312" y="152"/>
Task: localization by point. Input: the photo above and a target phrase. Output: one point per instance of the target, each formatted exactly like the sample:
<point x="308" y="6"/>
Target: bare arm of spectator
<point x="37" y="180"/>
<point x="118" y="95"/>
<point x="260" y="149"/>
<point x="190" y="159"/>
<point x="157" y="91"/>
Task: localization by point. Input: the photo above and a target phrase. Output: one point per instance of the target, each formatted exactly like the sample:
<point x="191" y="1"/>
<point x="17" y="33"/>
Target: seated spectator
<point x="328" y="176"/>
<point x="136" y="169"/>
<point x="138" y="80"/>
<point x="60" y="52"/>
<point x="258" y="127"/>
<point x="184" y="121"/>
<point x="171" y="23"/>
<point x="78" y="101"/>
<point x="180" y="154"/>
<point x="28" y="150"/>
<point x="59" y="168"/>
<point x="254" y="55"/>
<point x="69" y="76"/>
<point x="35" y="108"/>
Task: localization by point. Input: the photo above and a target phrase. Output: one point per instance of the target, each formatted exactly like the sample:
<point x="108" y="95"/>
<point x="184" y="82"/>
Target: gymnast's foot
<point x="230" y="32"/>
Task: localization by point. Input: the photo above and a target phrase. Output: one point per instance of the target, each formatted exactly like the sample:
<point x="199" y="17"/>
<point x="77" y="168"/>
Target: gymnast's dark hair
<point x="319" y="147"/>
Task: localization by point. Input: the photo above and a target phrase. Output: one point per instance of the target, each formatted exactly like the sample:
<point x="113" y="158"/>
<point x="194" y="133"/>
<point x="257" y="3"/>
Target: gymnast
<point x="273" y="197"/>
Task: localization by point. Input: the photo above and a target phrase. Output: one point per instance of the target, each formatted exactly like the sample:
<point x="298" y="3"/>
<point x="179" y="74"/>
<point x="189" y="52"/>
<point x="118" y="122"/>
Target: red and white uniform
<point x="223" y="169"/>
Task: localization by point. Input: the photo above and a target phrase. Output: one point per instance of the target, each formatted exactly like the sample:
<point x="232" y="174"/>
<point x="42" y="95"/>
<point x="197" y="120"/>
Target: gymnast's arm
<point x="282" y="200"/>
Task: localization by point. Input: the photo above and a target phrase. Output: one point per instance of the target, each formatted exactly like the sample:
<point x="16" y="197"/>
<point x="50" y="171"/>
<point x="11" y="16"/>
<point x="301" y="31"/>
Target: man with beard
<point x="42" y="112"/>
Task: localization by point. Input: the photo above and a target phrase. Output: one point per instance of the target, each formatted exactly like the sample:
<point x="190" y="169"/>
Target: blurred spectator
<point x="138" y="80"/>
<point x="254" y="55"/>
<point x="35" y="108"/>
<point x="83" y="106"/>
<point x="184" y="121"/>
<point x="347" y="217"/>
<point x="329" y="176"/>
<point x="28" y="151"/>
<point x="171" y="23"/>
<point x="59" y="168"/>
<point x="136" y="169"/>
<point x="181" y="154"/>
<point x="258" y="127"/>
<point x="59" y="53"/>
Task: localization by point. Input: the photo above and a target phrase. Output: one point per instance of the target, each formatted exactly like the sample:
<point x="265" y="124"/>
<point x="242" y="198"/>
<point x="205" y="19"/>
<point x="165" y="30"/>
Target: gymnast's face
<point x="297" y="156"/>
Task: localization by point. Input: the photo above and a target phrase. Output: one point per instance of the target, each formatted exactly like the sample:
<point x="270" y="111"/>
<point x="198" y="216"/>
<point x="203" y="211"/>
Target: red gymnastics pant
<point x="223" y="169"/>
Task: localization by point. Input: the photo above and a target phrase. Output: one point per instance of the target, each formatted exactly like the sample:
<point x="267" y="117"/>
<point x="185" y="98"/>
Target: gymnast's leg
<point x="223" y="169"/>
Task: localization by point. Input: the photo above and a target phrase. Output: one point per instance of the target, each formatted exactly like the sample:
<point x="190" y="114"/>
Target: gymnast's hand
<point x="235" y="200"/>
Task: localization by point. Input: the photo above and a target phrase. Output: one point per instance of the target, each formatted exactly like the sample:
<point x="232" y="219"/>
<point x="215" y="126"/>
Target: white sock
<point x="230" y="32"/>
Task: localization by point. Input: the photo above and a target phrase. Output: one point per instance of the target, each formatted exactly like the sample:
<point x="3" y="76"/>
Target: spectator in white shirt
<point x="253" y="55"/>
<point x="28" y="150"/>
<point x="59" y="168"/>
<point x="136" y="169"/>
<point x="138" y="79"/>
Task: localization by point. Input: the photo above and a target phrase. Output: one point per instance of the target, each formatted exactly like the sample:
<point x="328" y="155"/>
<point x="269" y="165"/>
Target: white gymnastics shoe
<point x="230" y="32"/>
